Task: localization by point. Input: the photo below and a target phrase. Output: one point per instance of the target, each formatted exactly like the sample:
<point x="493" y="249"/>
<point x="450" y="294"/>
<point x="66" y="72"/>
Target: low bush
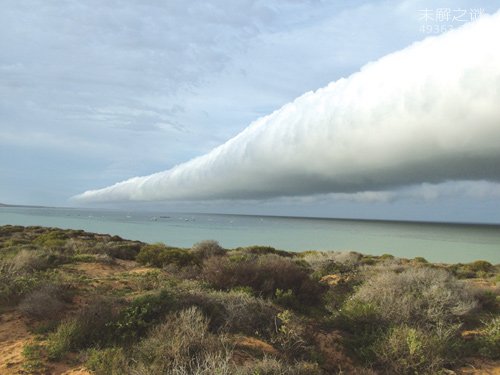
<point x="364" y="327"/>
<point x="182" y="345"/>
<point x="206" y="249"/>
<point x="345" y="261"/>
<point x="479" y="268"/>
<point x="488" y="341"/>
<point x="84" y="258"/>
<point x="30" y="260"/>
<point x="90" y="327"/>
<point x="105" y="322"/>
<point x="142" y="313"/>
<point x="33" y="359"/>
<point x="235" y="312"/>
<point x="160" y="255"/>
<point x="417" y="296"/>
<point x="38" y="260"/>
<point x="108" y="361"/>
<point x="391" y="309"/>
<point x="409" y="350"/>
<point x="45" y="303"/>
<point x="292" y="336"/>
<point x="52" y="239"/>
<point x="125" y="251"/>
<point x="147" y="281"/>
<point x="421" y="260"/>
<point x="12" y="243"/>
<point x="287" y="299"/>
<point x="14" y="284"/>
<point x="386" y="256"/>
<point x="263" y="250"/>
<point x="357" y="315"/>
<point x="8" y="231"/>
<point x="396" y="265"/>
<point x="67" y="337"/>
<point x="264" y="274"/>
<point x="488" y="299"/>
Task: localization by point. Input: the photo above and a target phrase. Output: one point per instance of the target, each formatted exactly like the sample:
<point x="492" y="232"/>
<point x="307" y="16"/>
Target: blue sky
<point x="93" y="93"/>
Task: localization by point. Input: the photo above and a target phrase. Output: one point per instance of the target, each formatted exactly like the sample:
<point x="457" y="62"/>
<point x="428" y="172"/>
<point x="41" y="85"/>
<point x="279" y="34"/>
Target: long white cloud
<point x="426" y="114"/>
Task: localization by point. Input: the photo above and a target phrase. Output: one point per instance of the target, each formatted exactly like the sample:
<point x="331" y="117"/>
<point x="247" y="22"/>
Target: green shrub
<point x="15" y="242"/>
<point x="63" y="340"/>
<point x="108" y="361"/>
<point x="368" y="260"/>
<point x="142" y="313"/>
<point x="150" y="254"/>
<point x="33" y="359"/>
<point x="147" y="281"/>
<point x="420" y="260"/>
<point x="286" y="298"/>
<point x="159" y="255"/>
<point x="489" y="300"/>
<point x="489" y="339"/>
<point x="84" y="258"/>
<point x="264" y="274"/>
<point x="462" y="271"/>
<point x="52" y="239"/>
<point x="125" y="251"/>
<point x="479" y="268"/>
<point x="104" y="322"/>
<point x="14" y="283"/>
<point x="292" y="336"/>
<point x="364" y="327"/>
<point x="356" y="314"/>
<point x="90" y="327"/>
<point x="409" y="350"/>
<point x="387" y="256"/>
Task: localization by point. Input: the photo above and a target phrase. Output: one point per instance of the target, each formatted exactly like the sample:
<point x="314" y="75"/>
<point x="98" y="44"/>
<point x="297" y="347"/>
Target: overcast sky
<point x="93" y="93"/>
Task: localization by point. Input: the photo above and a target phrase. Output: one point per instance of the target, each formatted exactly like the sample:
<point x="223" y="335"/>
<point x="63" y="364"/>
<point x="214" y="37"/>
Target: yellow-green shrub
<point x="160" y="255"/>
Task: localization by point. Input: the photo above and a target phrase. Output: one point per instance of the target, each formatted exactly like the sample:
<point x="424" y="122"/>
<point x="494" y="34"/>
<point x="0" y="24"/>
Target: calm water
<point x="451" y="243"/>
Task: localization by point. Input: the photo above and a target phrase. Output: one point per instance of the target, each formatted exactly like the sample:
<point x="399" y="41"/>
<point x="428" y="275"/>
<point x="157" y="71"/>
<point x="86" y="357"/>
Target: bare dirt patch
<point x="481" y="367"/>
<point x="13" y="336"/>
<point x="63" y="369"/>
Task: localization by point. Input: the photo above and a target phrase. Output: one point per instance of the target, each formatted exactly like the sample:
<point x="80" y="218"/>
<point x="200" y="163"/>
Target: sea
<point x="436" y="242"/>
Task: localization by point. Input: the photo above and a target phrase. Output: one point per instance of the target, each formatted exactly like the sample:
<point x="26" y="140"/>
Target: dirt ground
<point x="13" y="336"/>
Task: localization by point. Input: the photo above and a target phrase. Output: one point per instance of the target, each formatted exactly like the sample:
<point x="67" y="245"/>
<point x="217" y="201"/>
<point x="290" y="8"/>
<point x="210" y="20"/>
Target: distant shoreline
<point x="23" y="205"/>
<point x="346" y="219"/>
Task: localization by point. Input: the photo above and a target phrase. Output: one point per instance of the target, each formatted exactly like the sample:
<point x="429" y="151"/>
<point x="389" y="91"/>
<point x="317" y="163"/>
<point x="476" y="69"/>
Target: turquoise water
<point x="450" y="243"/>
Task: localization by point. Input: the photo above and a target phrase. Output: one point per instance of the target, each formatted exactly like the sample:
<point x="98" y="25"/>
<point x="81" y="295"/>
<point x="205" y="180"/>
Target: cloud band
<point x="426" y="114"/>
